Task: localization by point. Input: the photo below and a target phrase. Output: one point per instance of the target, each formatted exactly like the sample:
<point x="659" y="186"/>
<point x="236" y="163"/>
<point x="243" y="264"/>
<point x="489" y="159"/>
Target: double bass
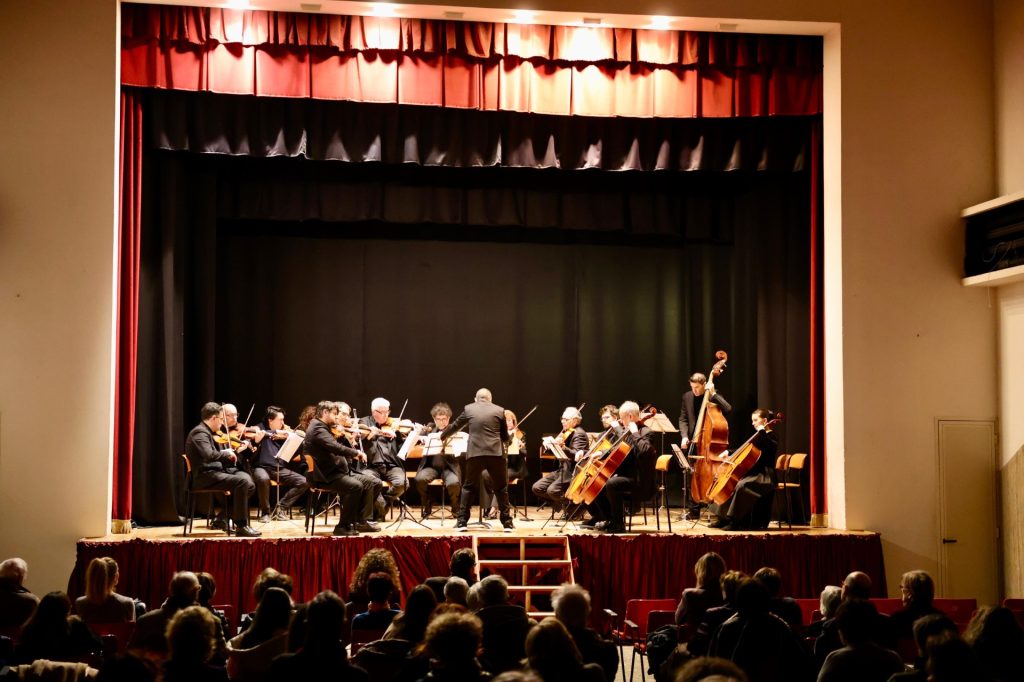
<point x="710" y="437"/>
<point x="738" y="464"/>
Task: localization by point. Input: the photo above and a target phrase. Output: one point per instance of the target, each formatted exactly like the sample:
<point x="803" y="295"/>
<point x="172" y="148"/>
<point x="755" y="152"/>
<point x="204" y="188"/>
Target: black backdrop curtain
<point x="288" y="281"/>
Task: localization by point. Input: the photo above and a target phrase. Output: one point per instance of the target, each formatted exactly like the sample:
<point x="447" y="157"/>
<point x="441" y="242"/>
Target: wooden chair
<point x="781" y="467"/>
<point x="787" y="484"/>
<point x="314" y="496"/>
<point x="190" y="497"/>
<point x="661" y="466"/>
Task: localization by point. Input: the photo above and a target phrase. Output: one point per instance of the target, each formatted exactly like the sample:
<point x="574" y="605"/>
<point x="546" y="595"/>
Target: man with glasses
<point x="439" y="466"/>
<point x="574" y="443"/>
<point x="382" y="446"/>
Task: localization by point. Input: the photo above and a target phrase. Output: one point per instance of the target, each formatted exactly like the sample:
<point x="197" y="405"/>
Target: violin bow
<point x="520" y="422"/>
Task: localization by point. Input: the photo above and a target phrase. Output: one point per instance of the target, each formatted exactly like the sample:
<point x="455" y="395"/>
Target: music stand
<point x="284" y="454"/>
<point x="659" y="423"/>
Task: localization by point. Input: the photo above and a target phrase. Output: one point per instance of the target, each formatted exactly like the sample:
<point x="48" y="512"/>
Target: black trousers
<point x="291" y="481"/>
<point x="394" y="475"/>
<point x="451" y="484"/>
<point x="608" y="504"/>
<point x="495" y="467"/>
<point x="238" y="483"/>
<point x="357" y="492"/>
<point x="552" y="488"/>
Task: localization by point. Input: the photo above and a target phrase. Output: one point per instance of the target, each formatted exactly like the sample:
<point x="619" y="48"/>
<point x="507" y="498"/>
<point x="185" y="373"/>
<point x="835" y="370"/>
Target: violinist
<point x="575" y="443"/>
<point x="215" y="466"/>
<point x="333" y="471"/>
<point x="692" y="400"/>
<point x="607" y="511"/>
<point x="266" y="466"/>
<point x="439" y="466"/>
<point x="515" y="463"/>
<point x="750" y="504"/>
<point x="237" y="433"/>
<point x="381" y="446"/>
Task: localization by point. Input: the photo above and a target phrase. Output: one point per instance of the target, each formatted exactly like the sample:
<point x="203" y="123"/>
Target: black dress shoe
<point x="219" y="524"/>
<point x="720" y="522"/>
<point x="246" y="532"/>
<point x="589" y="524"/>
<point x="366" y="527"/>
<point x="614" y="528"/>
<point x="344" y="529"/>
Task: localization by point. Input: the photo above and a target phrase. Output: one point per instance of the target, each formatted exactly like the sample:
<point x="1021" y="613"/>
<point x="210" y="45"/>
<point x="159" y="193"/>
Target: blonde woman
<point x="101" y="604"/>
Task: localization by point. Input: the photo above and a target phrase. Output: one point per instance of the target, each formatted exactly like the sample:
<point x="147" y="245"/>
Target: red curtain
<point x="537" y="69"/>
<point x="129" y="233"/>
<point x="613" y="568"/>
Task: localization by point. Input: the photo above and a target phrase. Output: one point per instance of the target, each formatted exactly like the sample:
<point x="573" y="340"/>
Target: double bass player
<point x="688" y="414"/>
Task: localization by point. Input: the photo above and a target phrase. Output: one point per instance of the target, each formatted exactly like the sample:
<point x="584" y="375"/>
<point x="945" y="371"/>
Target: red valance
<point x="538" y="69"/>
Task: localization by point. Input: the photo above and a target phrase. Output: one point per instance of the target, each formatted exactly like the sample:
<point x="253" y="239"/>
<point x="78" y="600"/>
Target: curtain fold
<point x="129" y="237"/>
<point x="562" y="70"/>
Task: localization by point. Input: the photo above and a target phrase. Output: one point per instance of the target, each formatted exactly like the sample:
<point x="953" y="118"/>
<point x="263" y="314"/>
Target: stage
<point x="615" y="568"/>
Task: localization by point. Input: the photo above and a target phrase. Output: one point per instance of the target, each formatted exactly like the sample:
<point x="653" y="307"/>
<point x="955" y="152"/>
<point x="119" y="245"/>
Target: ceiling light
<point x="383" y="9"/>
<point x="237" y="4"/>
<point x="523" y="16"/>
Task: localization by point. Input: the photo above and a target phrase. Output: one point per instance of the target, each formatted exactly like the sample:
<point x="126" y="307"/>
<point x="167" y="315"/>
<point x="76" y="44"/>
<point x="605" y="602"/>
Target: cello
<point x="736" y="465"/>
<point x="710" y="435"/>
<point x="588" y="483"/>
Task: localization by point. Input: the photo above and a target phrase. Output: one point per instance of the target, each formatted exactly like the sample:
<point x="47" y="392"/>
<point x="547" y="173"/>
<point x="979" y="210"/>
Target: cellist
<point x="756" y="489"/>
<point x="607" y="511"/>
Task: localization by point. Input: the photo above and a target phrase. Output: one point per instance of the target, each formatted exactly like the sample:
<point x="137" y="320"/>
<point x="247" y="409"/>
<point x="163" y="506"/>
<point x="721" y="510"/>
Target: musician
<point x="515" y="460"/>
<point x="756" y="489"/>
<point x="607" y="511"/>
<point x="236" y="430"/>
<point x="692" y="400"/>
<point x="381" y="447"/>
<point x="334" y="471"/>
<point x="551" y="486"/>
<point x="608" y="414"/>
<point x="439" y="466"/>
<point x="216" y="467"/>
<point x="267" y="467"/>
<point x="488" y="432"/>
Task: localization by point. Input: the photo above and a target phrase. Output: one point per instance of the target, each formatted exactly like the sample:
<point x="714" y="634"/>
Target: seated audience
<point x="101" y="604"/>
<point x="710" y="668"/>
<point x="207" y="591"/>
<point x="451" y="643"/>
<point x="917" y="591"/>
<point x="828" y="603"/>
<point x="861" y="659"/>
<point x="997" y="641"/>
<point x="924" y="629"/>
<point x="456" y="591"/>
<point x="462" y="565"/>
<point x="950" y="659"/>
<point x="250" y="653"/>
<point x="151" y="629"/>
<point x="517" y="676"/>
<point x="757" y="640"/>
<point x="268" y="577"/>
<point x="322" y="655"/>
<point x="16" y="602"/>
<point x="856" y="585"/>
<point x="378" y="614"/>
<point x="716" y="615"/>
<point x="411" y="625"/>
<point x="376" y="560"/>
<point x="551" y="653"/>
<point x="694" y="601"/>
<point x="505" y="626"/>
<point x="785" y="608"/>
<point x="128" y="668"/>
<point x="52" y="634"/>
<point x="191" y="643"/>
<point x="571" y="604"/>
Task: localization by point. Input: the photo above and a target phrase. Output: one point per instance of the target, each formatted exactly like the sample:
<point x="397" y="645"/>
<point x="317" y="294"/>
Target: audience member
<point x="207" y="591"/>
<point x="710" y="668"/>
<point x="757" y="640"/>
<point x="505" y="626"/>
<point x="128" y="668"/>
<point x="716" y="615"/>
<point x="297" y="629"/>
<point x="378" y="614"/>
<point x="997" y="641"/>
<point x="517" y="676"/>
<point x="917" y="590"/>
<point x="862" y="659"/>
<point x="250" y="653"/>
<point x="856" y="585"/>
<point x="694" y="601"/>
<point x="323" y="654"/>
<point x="456" y="590"/>
<point x="784" y="607"/>
<point x="473" y="598"/>
<point x="411" y="624"/>
<point x="572" y="607"/>
<point x="925" y="628"/>
<point x="828" y="603"/>
<point x="16" y="602"/>
<point x="462" y="565"/>
<point x="151" y="629"/>
<point x="551" y="653"/>
<point x="52" y="634"/>
<point x="376" y="560"/>
<point x="191" y="644"/>
<point x="451" y="643"/>
<point x="950" y="659"/>
<point x="101" y="604"/>
<point x="268" y="577"/>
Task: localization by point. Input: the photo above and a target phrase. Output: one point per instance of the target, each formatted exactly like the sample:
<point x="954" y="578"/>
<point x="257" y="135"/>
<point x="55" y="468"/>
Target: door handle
<point x="948" y="541"/>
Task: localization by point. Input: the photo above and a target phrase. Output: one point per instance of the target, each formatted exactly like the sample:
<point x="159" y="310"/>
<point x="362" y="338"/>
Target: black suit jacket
<point x="487" y="429"/>
<point x="204" y="453"/>
<point x="330" y="456"/>
<point x="579" y="440"/>
<point x="688" y="416"/>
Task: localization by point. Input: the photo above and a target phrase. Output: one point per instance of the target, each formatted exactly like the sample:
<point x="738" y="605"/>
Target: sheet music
<point x="457" y="445"/>
<point x="554" y="448"/>
<point x="681" y="457"/>
<point x="290" y="447"/>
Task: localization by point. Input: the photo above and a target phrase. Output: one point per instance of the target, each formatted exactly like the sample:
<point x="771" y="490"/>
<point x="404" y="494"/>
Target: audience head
<point x="572" y="605"/>
<point x="857" y="585"/>
<point x="917" y="589"/>
<point x="730" y="582"/>
<point x="419" y="606"/>
<point x="379" y="587"/>
<point x="297" y="628"/>
<point x="551" y="651"/>
<point x="14" y="569"/>
<point x="100" y="578"/>
<point x="829" y="601"/>
<point x="463" y="565"/>
<point x="929" y="626"/>
<point x="950" y="659"/>
<point x="517" y="676"/>
<point x="325" y="619"/>
<point x="856" y="619"/>
<point x="994" y="624"/>
<point x="710" y="669"/>
<point x="50" y="618"/>
<point x="751" y="598"/>
<point x="456" y="590"/>
<point x="771" y="579"/>
<point x="377" y="560"/>
<point x="708" y="570"/>
<point x="192" y="635"/>
<point x="271" y="577"/>
<point x="493" y="591"/>
<point x="453" y="639"/>
<point x="473" y="597"/>
<point x="184" y="588"/>
<point x="207" y="588"/>
<point x="273" y="614"/>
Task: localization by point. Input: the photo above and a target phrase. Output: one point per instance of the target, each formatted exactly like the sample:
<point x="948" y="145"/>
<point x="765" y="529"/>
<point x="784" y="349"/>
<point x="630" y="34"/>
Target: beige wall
<point x="1009" y="94"/>
<point x="917" y="130"/>
<point x="57" y="161"/>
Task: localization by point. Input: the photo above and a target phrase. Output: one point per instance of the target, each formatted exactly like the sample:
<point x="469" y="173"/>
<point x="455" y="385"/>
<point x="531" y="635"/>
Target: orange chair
<point x="807" y="609"/>
<point x="632" y="632"/>
<point x="661" y="466"/>
<point x="190" y="496"/>
<point x="315" y="493"/>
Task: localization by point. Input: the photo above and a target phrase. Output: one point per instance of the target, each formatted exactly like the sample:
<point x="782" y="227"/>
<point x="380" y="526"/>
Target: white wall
<point x="58" y="114"/>
<point x="1009" y="94"/>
